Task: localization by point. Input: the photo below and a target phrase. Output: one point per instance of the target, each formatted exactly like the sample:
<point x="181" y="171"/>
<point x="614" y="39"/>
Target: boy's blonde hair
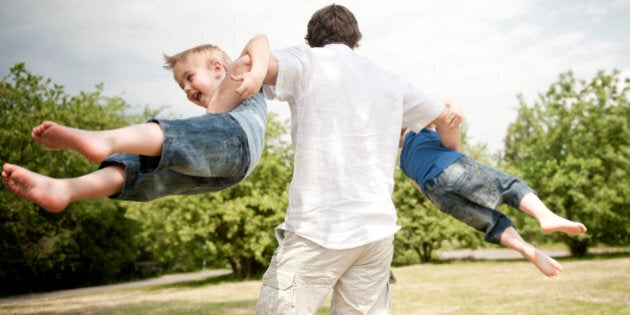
<point x="208" y="52"/>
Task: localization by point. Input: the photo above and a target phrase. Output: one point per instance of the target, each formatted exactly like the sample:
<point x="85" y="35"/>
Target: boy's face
<point x="197" y="79"/>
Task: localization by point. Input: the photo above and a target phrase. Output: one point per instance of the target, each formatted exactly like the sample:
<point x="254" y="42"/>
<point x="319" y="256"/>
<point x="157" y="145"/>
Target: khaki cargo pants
<point x="302" y="273"/>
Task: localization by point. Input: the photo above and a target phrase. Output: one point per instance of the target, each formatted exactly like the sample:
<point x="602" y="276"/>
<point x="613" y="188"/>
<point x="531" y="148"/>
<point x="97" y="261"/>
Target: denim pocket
<point x="475" y="184"/>
<point x="229" y="159"/>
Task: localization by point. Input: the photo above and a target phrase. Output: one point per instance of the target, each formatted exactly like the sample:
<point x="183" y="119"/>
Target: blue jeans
<point x="471" y="192"/>
<point x="201" y="154"/>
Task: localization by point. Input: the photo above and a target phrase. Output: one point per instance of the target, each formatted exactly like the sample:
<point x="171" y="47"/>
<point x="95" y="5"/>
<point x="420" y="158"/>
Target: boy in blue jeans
<point x="166" y="157"/>
<point x="471" y="192"/>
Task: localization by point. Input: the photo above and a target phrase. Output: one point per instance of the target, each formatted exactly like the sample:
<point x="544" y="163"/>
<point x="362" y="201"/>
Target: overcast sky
<point x="481" y="53"/>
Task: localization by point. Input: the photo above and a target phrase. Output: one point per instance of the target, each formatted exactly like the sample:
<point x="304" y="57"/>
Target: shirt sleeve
<point x="419" y="109"/>
<point x="292" y="67"/>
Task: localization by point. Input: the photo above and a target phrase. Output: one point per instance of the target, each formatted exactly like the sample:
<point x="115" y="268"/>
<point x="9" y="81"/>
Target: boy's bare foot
<point x="547" y="265"/>
<point x="559" y="224"/>
<point x="42" y="190"/>
<point x="86" y="143"/>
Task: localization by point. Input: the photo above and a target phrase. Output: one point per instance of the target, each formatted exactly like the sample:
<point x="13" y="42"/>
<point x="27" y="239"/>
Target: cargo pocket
<point x="277" y="295"/>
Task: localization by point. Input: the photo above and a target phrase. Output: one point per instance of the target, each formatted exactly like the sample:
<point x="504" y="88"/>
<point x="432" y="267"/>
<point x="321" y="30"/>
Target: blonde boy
<point x="165" y="157"/>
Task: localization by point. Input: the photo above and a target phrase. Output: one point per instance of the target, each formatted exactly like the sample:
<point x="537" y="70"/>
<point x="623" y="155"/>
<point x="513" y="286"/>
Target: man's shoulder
<point x="292" y="50"/>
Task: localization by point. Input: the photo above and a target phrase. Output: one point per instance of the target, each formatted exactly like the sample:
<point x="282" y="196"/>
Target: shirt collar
<point x="338" y="46"/>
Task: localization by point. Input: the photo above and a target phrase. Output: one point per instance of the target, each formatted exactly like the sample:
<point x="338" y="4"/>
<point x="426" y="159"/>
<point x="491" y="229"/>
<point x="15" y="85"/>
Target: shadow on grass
<point x="170" y="308"/>
<point x="210" y="281"/>
<point x="598" y="255"/>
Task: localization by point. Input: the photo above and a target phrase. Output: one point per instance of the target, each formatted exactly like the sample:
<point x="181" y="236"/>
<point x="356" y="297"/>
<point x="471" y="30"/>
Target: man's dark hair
<point x="333" y="24"/>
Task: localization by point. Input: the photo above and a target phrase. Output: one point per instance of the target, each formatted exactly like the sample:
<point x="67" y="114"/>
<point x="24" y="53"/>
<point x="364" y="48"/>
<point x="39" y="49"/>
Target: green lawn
<point x="590" y="286"/>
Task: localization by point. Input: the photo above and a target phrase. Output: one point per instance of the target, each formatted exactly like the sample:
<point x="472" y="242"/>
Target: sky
<point x="481" y="54"/>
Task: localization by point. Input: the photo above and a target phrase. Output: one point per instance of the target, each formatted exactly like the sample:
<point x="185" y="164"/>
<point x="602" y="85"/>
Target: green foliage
<point x="90" y="242"/>
<point x="233" y="226"/>
<point x="423" y="227"/>
<point x="573" y="147"/>
<point x="477" y="151"/>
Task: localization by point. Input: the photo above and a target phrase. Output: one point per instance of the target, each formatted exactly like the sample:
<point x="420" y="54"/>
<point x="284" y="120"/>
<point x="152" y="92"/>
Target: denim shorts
<point x="471" y="192"/>
<point x="201" y="154"/>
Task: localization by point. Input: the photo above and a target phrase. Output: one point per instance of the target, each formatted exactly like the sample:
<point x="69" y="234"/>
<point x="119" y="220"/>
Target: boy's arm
<point x="244" y="78"/>
<point x="258" y="48"/>
<point x="448" y="125"/>
<point x="260" y="54"/>
<point x="225" y="98"/>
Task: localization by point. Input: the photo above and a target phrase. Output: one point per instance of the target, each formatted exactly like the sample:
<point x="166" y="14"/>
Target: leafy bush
<point x="91" y="242"/>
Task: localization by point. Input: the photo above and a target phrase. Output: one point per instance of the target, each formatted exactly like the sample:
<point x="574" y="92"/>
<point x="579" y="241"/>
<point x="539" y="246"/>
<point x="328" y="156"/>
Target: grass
<point x="597" y="285"/>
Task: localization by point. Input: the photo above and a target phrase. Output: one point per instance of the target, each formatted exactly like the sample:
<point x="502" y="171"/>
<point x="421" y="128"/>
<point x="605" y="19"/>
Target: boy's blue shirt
<point x="423" y="156"/>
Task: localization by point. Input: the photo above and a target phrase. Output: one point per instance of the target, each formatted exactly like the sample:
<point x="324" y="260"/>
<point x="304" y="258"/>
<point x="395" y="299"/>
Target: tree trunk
<point x="242" y="268"/>
<point x="427" y="251"/>
<point x="578" y="248"/>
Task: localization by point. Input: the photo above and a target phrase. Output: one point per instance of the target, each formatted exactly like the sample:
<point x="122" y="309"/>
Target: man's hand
<point x="454" y="116"/>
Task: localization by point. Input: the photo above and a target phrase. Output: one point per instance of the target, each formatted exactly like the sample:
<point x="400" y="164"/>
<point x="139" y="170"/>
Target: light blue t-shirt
<point x="251" y="114"/>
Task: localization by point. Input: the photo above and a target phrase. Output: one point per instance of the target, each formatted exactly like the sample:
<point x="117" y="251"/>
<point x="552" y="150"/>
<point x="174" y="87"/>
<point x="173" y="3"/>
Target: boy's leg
<point x="142" y="139"/>
<point x="497" y="227"/>
<point x="490" y="188"/>
<point x="54" y="194"/>
<point x="547" y="265"/>
<point x="440" y="192"/>
<point x="549" y="221"/>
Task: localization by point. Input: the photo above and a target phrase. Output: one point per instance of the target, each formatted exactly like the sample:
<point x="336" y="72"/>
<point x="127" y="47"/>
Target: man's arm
<point x="272" y="71"/>
<point x="447" y="125"/>
<point x="244" y="78"/>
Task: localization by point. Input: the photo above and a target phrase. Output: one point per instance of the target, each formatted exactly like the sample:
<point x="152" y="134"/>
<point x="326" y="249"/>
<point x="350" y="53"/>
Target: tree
<point x="233" y="226"/>
<point x="573" y="147"/>
<point x="91" y="241"/>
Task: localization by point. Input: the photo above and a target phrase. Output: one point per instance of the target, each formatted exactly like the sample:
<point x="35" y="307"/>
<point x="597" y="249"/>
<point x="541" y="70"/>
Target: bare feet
<point x="547" y="265"/>
<point x="549" y="221"/>
<point x="42" y="190"/>
<point x="559" y="224"/>
<point x="86" y="143"/>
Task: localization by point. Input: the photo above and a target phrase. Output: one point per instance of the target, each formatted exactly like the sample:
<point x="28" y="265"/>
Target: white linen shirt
<point x="346" y="116"/>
